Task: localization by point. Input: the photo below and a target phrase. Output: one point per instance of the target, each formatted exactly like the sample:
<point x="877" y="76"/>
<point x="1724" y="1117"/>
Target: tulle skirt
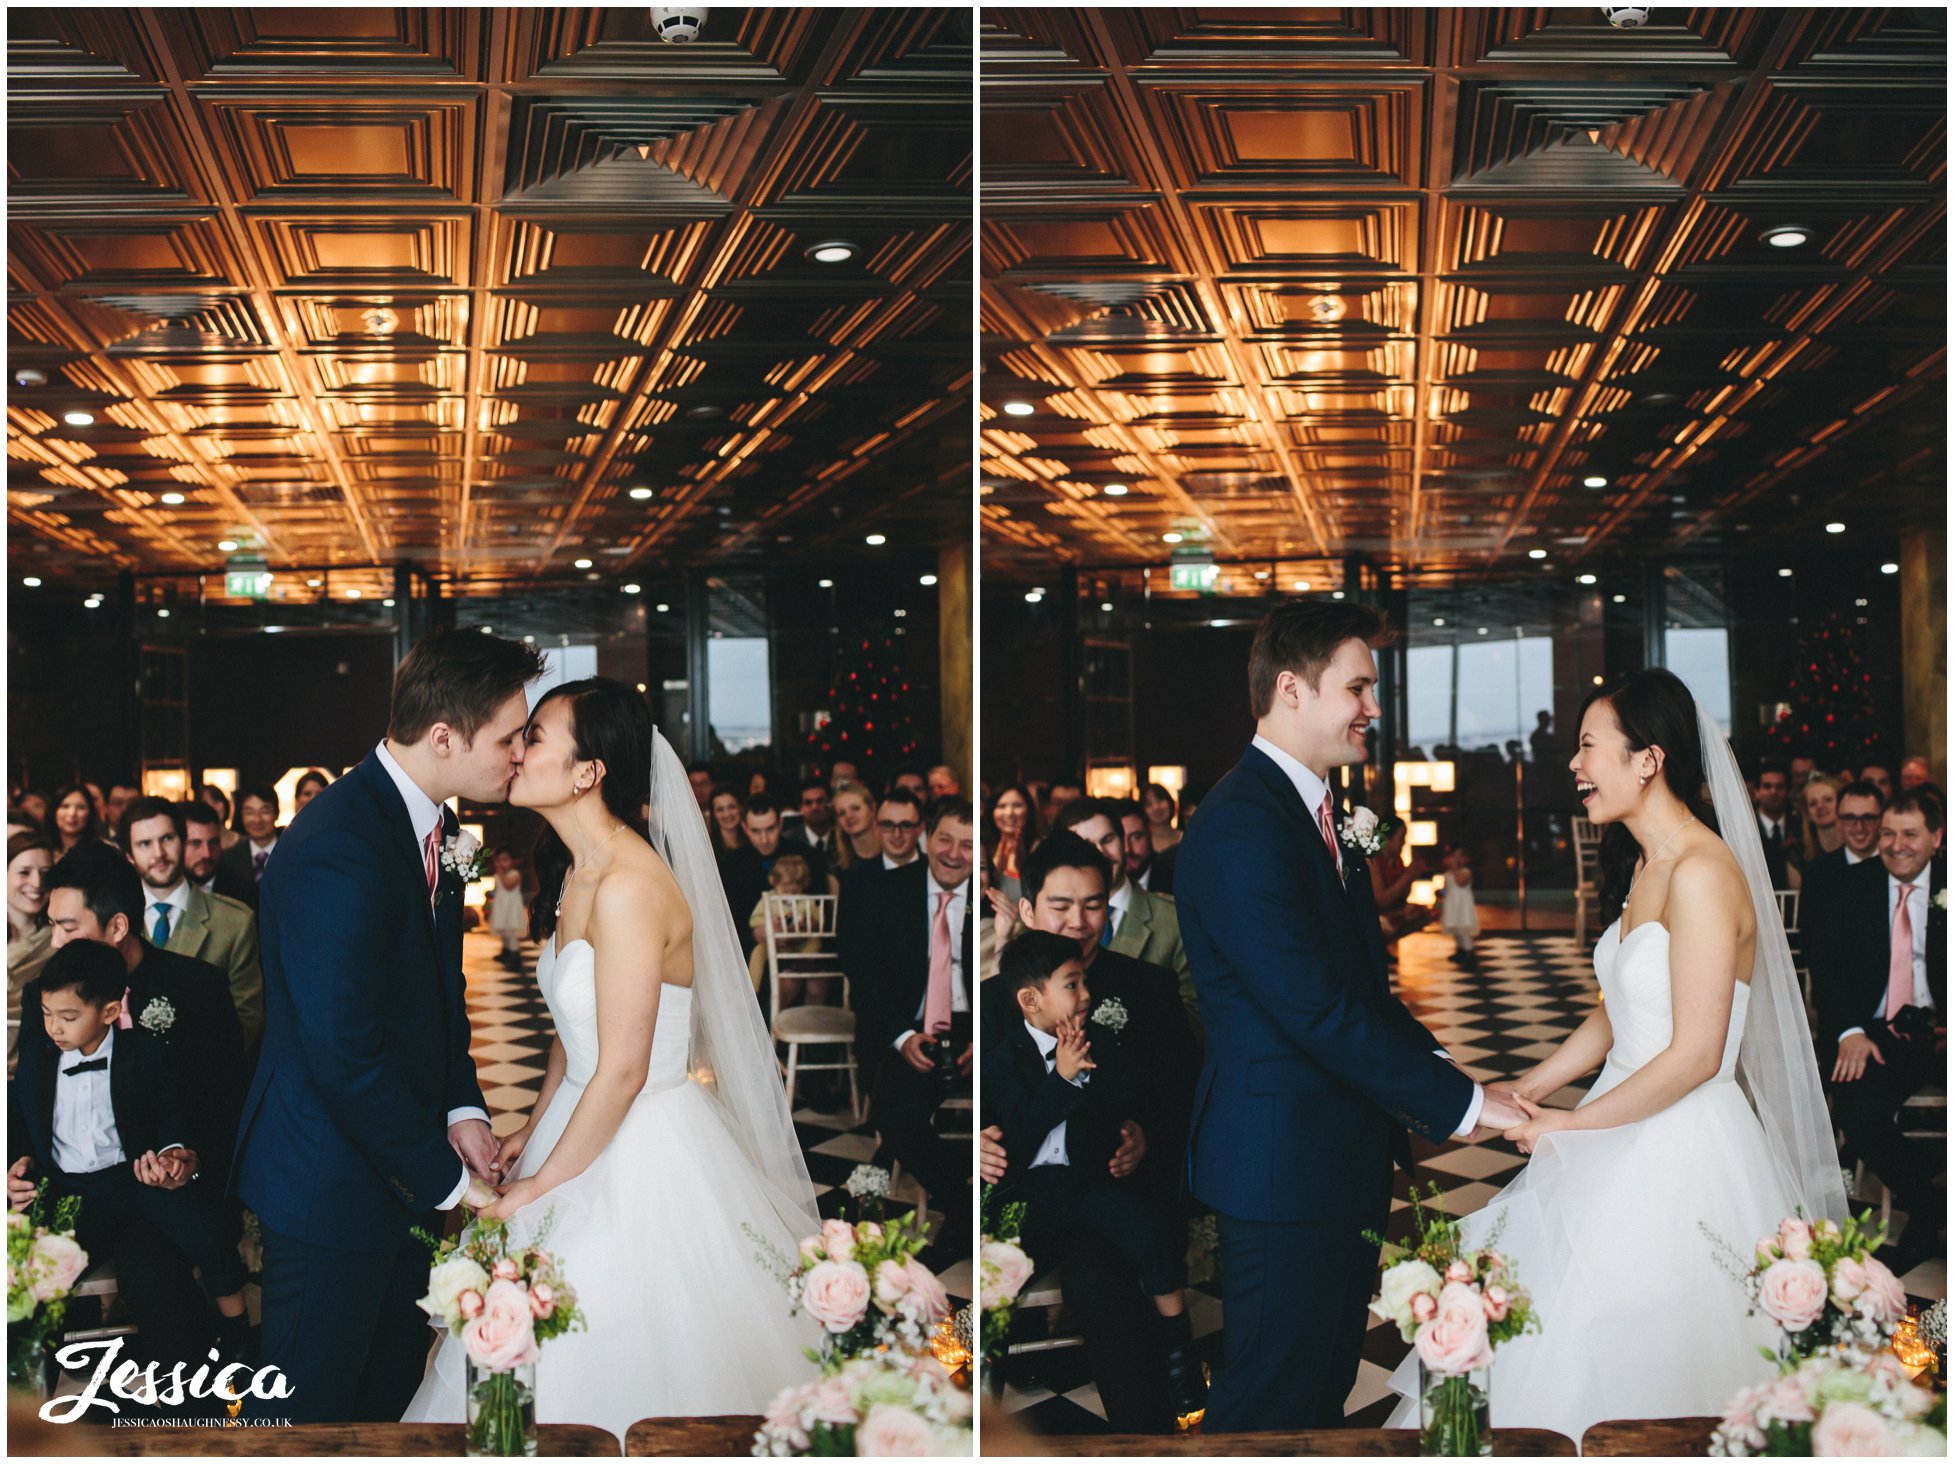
<point x="1606" y="1229"/>
<point x="683" y="1319"/>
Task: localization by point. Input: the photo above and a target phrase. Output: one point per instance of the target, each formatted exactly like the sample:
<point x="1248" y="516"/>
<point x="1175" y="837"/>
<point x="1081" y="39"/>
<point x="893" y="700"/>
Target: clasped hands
<point x="1522" y="1122"/>
<point x="170" y="1170"/>
<point x="492" y="1193"/>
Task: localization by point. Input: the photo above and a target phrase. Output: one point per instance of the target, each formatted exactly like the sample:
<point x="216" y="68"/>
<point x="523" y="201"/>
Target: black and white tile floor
<point x="1529" y="992"/>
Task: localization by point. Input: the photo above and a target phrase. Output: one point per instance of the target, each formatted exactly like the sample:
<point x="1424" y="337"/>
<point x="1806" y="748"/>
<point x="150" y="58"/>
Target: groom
<point x="1314" y="1068"/>
<point x="365" y="1117"/>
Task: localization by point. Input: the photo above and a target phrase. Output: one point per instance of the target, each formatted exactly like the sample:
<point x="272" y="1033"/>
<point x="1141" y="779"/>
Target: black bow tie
<point x="96" y="1065"/>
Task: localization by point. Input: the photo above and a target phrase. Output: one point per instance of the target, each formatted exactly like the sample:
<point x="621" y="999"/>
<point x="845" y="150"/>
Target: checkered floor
<point x="511" y="1044"/>
<point x="1527" y="995"/>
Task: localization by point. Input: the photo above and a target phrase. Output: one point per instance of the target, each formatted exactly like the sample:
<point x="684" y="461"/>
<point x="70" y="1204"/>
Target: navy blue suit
<point x="1314" y="1071"/>
<point x="343" y="1144"/>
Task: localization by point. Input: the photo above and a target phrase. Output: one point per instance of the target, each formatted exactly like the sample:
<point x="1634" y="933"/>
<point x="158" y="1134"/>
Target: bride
<point x="661" y="1144"/>
<point x="1707" y="1113"/>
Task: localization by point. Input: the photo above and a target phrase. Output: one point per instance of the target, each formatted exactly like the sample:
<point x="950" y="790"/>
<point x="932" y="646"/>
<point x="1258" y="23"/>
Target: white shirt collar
<point x="1920" y="882"/>
<point x="935" y="889"/>
<point x="257" y="848"/>
<point x="1852" y="858"/>
<point x="1311" y="787"/>
<point x="177" y="899"/>
<point x="422" y="811"/>
<point x="1047" y="1041"/>
<point x="888" y="863"/>
<point x="1121" y="899"/>
<point x="107" y="1049"/>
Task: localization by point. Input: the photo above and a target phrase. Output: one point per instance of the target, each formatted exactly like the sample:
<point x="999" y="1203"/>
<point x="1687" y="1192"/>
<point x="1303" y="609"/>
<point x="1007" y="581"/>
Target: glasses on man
<point x="896" y="826"/>
<point x="1858" y="818"/>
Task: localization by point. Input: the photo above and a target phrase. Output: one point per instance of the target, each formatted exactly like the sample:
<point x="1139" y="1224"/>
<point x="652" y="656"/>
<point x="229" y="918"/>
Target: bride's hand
<point x="1540" y="1122"/>
<point x="513" y="1199"/>
<point x="1514" y="1090"/>
<point x="511" y="1151"/>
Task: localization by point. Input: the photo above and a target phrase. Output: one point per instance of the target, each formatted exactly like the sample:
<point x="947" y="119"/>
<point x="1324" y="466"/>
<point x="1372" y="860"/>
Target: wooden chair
<point x="1913" y="1114"/>
<point x="801" y="947"/>
<point x="1587" y="854"/>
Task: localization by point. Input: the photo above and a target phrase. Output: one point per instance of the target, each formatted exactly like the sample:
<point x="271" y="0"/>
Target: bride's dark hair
<point x="1654" y="709"/>
<point x="611" y="723"/>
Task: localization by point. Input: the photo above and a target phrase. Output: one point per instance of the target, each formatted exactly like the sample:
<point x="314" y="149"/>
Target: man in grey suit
<point x="1138" y="923"/>
<point x="180" y="917"/>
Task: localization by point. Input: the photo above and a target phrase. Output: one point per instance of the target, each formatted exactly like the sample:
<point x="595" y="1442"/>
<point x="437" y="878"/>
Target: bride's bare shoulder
<point x="1707" y="875"/>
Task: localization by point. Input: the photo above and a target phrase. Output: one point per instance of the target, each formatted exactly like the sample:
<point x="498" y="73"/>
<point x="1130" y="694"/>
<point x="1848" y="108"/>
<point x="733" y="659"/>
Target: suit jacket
<point x="345" y="1132"/>
<point x="225" y="880"/>
<point x="1160" y="870"/>
<point x="743" y="875"/>
<point x="1848" y="950"/>
<point x="237" y="859"/>
<point x="224" y="933"/>
<point x="1314" y="1068"/>
<point x="883" y="939"/>
<point x="1776" y="859"/>
<point x="144" y="1093"/>
<point x="206" y="1044"/>
<point x="1028" y="1102"/>
<point x="1151" y="932"/>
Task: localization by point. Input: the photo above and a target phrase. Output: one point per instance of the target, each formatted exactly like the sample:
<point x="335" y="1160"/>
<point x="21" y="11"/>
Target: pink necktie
<point x="1899" y="969"/>
<point x="1329" y="832"/>
<point x="433" y="863"/>
<point x="936" y="1005"/>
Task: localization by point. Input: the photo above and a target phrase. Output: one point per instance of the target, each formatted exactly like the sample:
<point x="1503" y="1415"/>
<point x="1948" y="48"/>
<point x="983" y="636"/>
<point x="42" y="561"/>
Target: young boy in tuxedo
<point x="1061" y="1110"/>
<point x="95" y="1111"/>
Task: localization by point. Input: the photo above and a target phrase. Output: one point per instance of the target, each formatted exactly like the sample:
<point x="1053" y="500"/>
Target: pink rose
<point x="504" y="1335"/>
<point x="1848" y="1280"/>
<point x="924" y="1297"/>
<point x="1884" y="1299"/>
<point x="838" y="1239"/>
<point x="1795" y="1239"/>
<point x="1827" y="1230"/>
<point x="470" y="1303"/>
<point x="506" y="1269"/>
<point x="56" y="1264"/>
<point x="1767" y="1250"/>
<point x="811" y="1248"/>
<point x="1424" y="1306"/>
<point x="1497" y="1303"/>
<point x="1004" y="1270"/>
<point x="1788" y="1402"/>
<point x="833" y="1402"/>
<point x="1458" y="1271"/>
<point x="893" y="1433"/>
<point x="1852" y="1431"/>
<point x="836" y="1294"/>
<point x="1454" y="1341"/>
<point x="869" y="1231"/>
<point x="1793" y="1293"/>
<point x="542" y="1300"/>
<point x="891" y="1284"/>
<point x="1492" y="1261"/>
<point x="784" y="1415"/>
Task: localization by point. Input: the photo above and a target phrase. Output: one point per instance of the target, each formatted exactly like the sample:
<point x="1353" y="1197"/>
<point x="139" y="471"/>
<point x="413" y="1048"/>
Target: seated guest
<point x="1915" y="772"/>
<point x="855" y="841"/>
<point x="843" y="772"/>
<point x="1014" y="831"/>
<point x="899" y="828"/>
<point x="75" y="819"/>
<point x="787" y="877"/>
<point x="1162" y="814"/>
<point x="1146" y="867"/>
<point x="1392" y="876"/>
<point x="258" y="812"/>
<point x="203" y="850"/>
<point x="906" y="943"/>
<point x="1880" y="776"/>
<point x="1879" y="970"/>
<point x="182" y="918"/>
<point x="743" y="871"/>
<point x="30" y="939"/>
<point x="312" y="782"/>
<point x="916" y="783"/>
<point x="817" y="826"/>
<point x="726" y="809"/>
<point x="1062" y="792"/>
<point x="95" y="894"/>
<point x="35" y="805"/>
<point x="1860" y="807"/>
<point x="121" y="795"/>
<point x="96" y="1113"/>
<point x="699" y="776"/>
<point x="1775" y="825"/>
<point x="212" y="796"/>
<point x="943" y="782"/>
<point x="1061" y="1089"/>
<point x="1821" y="833"/>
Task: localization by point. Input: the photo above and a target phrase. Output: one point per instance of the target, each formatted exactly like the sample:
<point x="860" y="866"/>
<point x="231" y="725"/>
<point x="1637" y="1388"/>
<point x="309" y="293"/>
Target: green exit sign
<point x="1197" y="577"/>
<point x="247" y="579"/>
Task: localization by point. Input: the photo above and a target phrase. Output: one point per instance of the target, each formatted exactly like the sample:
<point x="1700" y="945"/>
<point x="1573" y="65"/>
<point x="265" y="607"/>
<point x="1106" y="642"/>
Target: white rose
<point x="445" y="1284"/>
<point x="1402" y="1282"/>
<point x="1363" y="822"/>
<point x="466" y="846"/>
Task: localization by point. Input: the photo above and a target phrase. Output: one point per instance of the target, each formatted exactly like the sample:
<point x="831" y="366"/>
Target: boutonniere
<point x="1940" y="898"/>
<point x="464" y="857"/>
<point x="158" y="1017"/>
<point x="1110" y="1014"/>
<point x="1364" y="831"/>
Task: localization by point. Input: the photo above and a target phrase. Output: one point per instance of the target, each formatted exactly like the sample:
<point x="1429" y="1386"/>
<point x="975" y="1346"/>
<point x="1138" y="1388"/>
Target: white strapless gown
<point x="683" y="1320"/>
<point x="1605" y="1228"/>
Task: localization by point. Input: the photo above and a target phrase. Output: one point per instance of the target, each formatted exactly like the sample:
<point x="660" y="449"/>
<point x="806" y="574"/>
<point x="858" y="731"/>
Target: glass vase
<point x="1455" y="1413"/>
<point x="501" y="1412"/>
<point x="30" y="1368"/>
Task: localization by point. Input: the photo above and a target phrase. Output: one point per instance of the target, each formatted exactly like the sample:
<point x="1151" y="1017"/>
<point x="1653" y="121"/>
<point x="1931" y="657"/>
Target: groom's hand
<point x="1132" y="1149"/>
<point x="474" y="1141"/>
<point x="1500" y="1113"/>
<point x="991" y="1159"/>
<point x="479" y="1196"/>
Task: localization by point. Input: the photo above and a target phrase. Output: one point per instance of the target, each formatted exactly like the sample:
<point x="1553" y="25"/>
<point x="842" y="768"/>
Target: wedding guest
<point x="1820" y="832"/>
<point x="258" y="813"/>
<point x="1802" y="767"/>
<point x="95" y="1112"/>
<point x="1162" y="812"/>
<point x="1146" y="867"/>
<point x="1392" y="876"/>
<point x="1461" y="917"/>
<point x="508" y="910"/>
<point x="121" y="795"/>
<point x="841" y="773"/>
<point x="817" y="827"/>
<point x="94" y="893"/>
<point x="1139" y="923"/>
<point x="943" y="782"/>
<point x="1879" y="972"/>
<point x="203" y="850"/>
<point x="857" y="841"/>
<point x="1774" y="823"/>
<point x="726" y="811"/>
<point x="312" y="782"/>
<point x="1880" y="776"/>
<point x="743" y="871"/>
<point x="75" y="820"/>
<point x="192" y="922"/>
<point x="907" y="945"/>
<point x="699" y="775"/>
<point x="101" y="804"/>
<point x="1014" y="830"/>
<point x="35" y="805"/>
<point x="1914" y="773"/>
<point x="30" y="940"/>
<point x="212" y="796"/>
<point x="1063" y="791"/>
<point x="760" y="785"/>
<point x="916" y="783"/>
<point x="788" y="876"/>
<point x="1061" y="1090"/>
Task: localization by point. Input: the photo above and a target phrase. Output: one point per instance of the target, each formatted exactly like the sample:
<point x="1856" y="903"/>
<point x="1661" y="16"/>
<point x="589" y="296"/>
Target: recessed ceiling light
<point x="827" y="584"/>
<point x="833" y="251"/>
<point x="388" y="603"/>
<point x="162" y="614"/>
<point x="380" y="320"/>
<point x="876" y="541"/>
<point x="583" y="564"/>
<point x="634" y="589"/>
<point x="1302" y="585"/>
<point x="641" y="686"/>
<point x="1860" y="603"/>
<point x="1172" y="538"/>
<point x="1621" y="599"/>
<point x="1597" y="681"/>
<point x="30" y="376"/>
<point x="663" y="608"/>
<point x="1019" y="409"/>
<point x="227" y="545"/>
<point x="1484" y="631"/>
<point x="488" y="630"/>
<point x="93" y="602"/>
<point x="1115" y="490"/>
<point x="1336" y="594"/>
<point x="1034" y="597"/>
<point x="1261" y="574"/>
<point x="1586" y="579"/>
<point x="314" y="583"/>
<point x="1438" y="620"/>
<point x="32" y="582"/>
<point x="1784" y="574"/>
<point x="928" y="579"/>
<point x="354" y="594"/>
<point x="1785" y="236"/>
<point x="79" y="419"/>
<point x="1594" y="480"/>
<point x="1889" y="568"/>
<point x="704" y="411"/>
<point x="1536" y="553"/>
<point x="1835" y="528"/>
<point x="1106" y="607"/>
<point x="173" y="499"/>
<point x="901" y="613"/>
<point x="641" y="494"/>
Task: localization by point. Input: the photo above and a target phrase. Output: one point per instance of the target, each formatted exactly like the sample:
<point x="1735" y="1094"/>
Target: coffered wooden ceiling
<point x="1395" y="282"/>
<point x="366" y="285"/>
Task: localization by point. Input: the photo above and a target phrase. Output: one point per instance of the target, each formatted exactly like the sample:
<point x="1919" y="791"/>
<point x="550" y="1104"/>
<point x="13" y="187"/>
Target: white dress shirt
<point x="1852" y="858"/>
<point x="1314" y="789"/>
<point x="1117" y="904"/>
<point x="888" y="863"/>
<point x="85" y="1136"/>
<point x="424" y="814"/>
<point x="959" y="991"/>
<point x="1917" y="912"/>
<point x="1052" y="1151"/>
<point x="178" y="901"/>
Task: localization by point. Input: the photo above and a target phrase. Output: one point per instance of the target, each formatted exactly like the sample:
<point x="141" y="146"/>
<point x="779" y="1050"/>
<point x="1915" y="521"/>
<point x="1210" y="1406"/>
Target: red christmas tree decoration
<point x="876" y="726"/>
<point x="1829" y="713"/>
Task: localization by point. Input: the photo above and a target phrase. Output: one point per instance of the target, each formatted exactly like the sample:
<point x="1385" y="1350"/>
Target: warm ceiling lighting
<point x="827" y="584"/>
<point x="173" y="499"/>
<point x="1261" y="574"/>
<point x="1302" y="586"/>
<point x="1116" y="490"/>
<point x="1594" y="480"/>
<point x="79" y="419"/>
<point x="634" y="589"/>
<point x="354" y="594"/>
<point x="1172" y="538"/>
<point x="833" y="251"/>
<point x="583" y="564"/>
<point x="1586" y="579"/>
<point x="1536" y="553"/>
<point x="388" y="603"/>
<point x="1019" y="409"/>
<point x="227" y="546"/>
<point x="1106" y="607"/>
<point x="1889" y="568"/>
<point x="30" y="376"/>
<point x="876" y="541"/>
<point x="928" y="579"/>
<point x="1034" y="597"/>
<point x="1786" y="236"/>
<point x="641" y="494"/>
<point x="663" y="608"/>
<point x="1835" y="528"/>
<point x="32" y="582"/>
<point x="1439" y="621"/>
<point x="1784" y="574"/>
<point x="314" y="583"/>
<point x="1621" y="599"/>
<point x="162" y="614"/>
<point x="380" y="320"/>
<point x="704" y="411"/>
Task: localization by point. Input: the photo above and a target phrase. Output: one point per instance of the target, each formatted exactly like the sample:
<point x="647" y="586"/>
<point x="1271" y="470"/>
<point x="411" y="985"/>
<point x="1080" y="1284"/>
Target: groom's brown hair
<point x="1302" y="636"/>
<point x="458" y="677"/>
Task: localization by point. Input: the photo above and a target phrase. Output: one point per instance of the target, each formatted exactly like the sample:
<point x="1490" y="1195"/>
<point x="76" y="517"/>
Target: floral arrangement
<point x="1365" y="832"/>
<point x="158" y="1016"/>
<point x="43" y="1265"/>
<point x="503" y="1304"/>
<point x="865" y="1286"/>
<point x="1454" y="1306"/>
<point x="1834" y="1406"/>
<point x="1933" y="1324"/>
<point x="1110" y="1013"/>
<point x="1003" y="1269"/>
<point x="868" y="1184"/>
<point x="884" y="1405"/>
<point x="1819" y="1282"/>
<point x="463" y="856"/>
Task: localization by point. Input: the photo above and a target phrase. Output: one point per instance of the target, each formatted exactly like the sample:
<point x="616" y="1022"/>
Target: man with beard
<point x="203" y="844"/>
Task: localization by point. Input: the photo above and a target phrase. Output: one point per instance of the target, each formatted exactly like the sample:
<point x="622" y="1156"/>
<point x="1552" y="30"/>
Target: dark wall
<point x="1021" y="682"/>
<point x="265" y="703"/>
<point x="1191" y="699"/>
<point x="64" y="710"/>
